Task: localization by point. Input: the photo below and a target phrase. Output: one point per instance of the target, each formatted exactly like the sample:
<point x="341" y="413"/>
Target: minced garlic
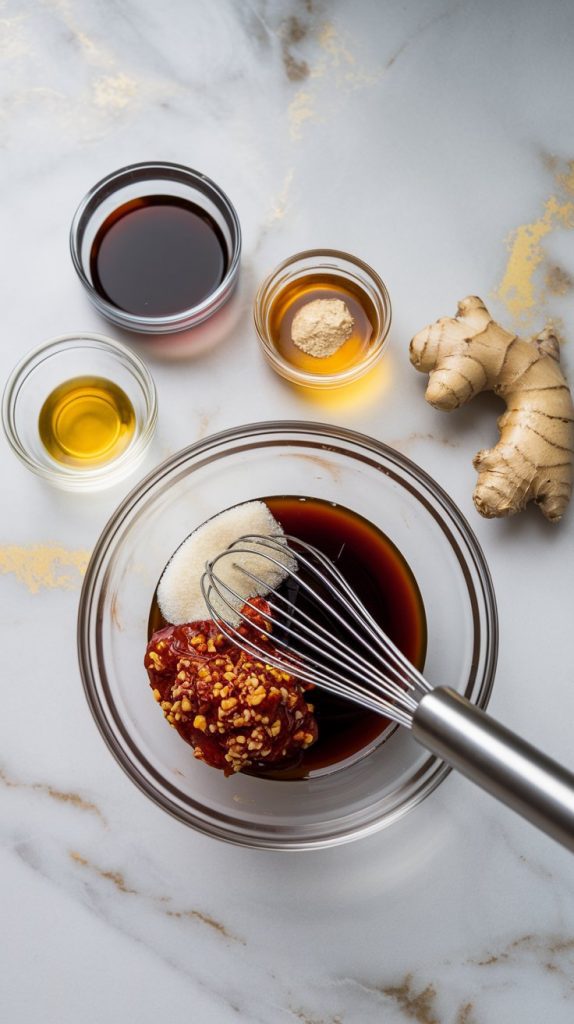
<point x="320" y="327"/>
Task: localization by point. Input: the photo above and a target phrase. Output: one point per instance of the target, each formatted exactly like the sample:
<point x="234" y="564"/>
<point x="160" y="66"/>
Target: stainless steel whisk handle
<point x="498" y="760"/>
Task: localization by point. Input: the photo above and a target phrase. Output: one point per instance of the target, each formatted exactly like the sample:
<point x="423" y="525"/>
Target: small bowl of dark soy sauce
<point x="157" y="248"/>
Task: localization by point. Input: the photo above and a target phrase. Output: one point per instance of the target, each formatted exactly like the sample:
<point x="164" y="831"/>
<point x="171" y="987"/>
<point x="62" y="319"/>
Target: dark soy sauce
<point x="157" y="256"/>
<point x="384" y="582"/>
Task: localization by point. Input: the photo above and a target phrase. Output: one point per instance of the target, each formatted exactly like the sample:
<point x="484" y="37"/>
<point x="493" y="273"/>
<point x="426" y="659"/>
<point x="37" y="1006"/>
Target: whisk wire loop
<point x="306" y="668"/>
<point x="337" y="652"/>
<point x="369" y="634"/>
<point x="384" y="680"/>
<point x="377" y="643"/>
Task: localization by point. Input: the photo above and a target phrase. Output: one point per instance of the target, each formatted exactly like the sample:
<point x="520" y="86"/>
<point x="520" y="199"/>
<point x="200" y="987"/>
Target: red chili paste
<point x="234" y="709"/>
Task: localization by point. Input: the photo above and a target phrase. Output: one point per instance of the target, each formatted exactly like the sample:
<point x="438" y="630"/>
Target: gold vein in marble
<point x="306" y="1018"/>
<point x="301" y="109"/>
<point x="332" y="44"/>
<point x="418" y="1006"/>
<point x="336" y="60"/>
<point x="341" y="59"/>
<point x="60" y="795"/>
<point x="553" y="953"/>
<point x="292" y="32"/>
<point x="465" y="1014"/>
<point x="198" y="915"/>
<point x="115" y="877"/>
<point x="44" y="566"/>
<point x="520" y="289"/>
<point x="558" y="281"/>
<point x="113" y="93"/>
<point x="94" y="52"/>
<point x="118" y="880"/>
<point x="565" y="179"/>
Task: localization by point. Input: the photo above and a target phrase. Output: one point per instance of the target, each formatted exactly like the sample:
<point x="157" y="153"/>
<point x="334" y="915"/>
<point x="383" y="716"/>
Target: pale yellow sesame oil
<point x="86" y="422"/>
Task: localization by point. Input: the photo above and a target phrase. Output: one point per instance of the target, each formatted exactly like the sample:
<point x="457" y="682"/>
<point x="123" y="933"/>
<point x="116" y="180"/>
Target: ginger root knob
<point x="533" y="458"/>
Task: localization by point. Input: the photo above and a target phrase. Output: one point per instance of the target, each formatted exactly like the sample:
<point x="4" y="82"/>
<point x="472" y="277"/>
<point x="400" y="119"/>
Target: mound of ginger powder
<point x="321" y="327"/>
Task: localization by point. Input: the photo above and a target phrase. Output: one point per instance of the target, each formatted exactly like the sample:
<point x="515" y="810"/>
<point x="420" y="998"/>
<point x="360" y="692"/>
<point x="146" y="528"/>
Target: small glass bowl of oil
<point x="314" y="275"/>
<point x="80" y="411"/>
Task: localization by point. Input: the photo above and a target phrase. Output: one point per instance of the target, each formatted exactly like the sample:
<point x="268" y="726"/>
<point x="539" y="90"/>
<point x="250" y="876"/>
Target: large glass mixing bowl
<point x="265" y="459"/>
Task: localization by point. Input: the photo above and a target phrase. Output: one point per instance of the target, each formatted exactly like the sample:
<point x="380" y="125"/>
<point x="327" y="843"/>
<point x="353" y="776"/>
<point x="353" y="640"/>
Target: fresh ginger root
<point x="533" y="458"/>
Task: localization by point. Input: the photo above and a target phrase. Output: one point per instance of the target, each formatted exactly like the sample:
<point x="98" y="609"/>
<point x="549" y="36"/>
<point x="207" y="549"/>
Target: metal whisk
<point x="322" y="633"/>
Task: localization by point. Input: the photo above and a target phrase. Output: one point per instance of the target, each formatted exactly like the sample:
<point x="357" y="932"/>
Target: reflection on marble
<point x="433" y="139"/>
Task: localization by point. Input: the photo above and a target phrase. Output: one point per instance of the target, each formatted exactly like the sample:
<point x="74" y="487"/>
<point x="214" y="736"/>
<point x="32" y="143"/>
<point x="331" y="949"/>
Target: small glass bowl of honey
<point x="323" y="274"/>
<point x="80" y="411"/>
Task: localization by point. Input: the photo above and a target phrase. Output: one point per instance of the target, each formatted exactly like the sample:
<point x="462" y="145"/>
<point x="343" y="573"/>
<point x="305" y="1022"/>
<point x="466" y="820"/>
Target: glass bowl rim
<point x="160" y="168"/>
<point x="428" y="776"/>
<point x="34" y="358"/>
<point x="305" y="377"/>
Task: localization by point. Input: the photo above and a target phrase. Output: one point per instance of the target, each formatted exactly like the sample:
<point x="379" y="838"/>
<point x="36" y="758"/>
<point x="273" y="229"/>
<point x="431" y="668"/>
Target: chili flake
<point x="234" y="709"/>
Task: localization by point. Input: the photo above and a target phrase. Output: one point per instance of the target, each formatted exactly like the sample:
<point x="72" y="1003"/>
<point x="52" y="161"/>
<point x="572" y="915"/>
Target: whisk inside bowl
<point x="322" y="633"/>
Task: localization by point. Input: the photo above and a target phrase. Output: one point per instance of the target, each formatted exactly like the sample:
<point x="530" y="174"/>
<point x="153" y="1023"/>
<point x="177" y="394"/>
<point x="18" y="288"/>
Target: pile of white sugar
<point x="320" y="327"/>
<point x="179" y="592"/>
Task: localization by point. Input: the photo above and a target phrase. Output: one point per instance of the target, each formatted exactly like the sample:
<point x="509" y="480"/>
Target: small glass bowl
<point x="307" y="265"/>
<point x="307" y="459"/>
<point x="59" y="360"/>
<point x="147" y="179"/>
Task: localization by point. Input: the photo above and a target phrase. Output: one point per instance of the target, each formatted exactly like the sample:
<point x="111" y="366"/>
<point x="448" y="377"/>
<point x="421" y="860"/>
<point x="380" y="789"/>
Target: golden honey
<point x="86" y="422"/>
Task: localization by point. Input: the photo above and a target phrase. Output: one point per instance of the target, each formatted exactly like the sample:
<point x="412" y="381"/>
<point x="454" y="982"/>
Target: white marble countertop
<point x="432" y="139"/>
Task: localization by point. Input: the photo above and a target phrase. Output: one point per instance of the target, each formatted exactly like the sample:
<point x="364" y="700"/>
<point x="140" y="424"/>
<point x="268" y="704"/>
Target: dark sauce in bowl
<point x="383" y="580"/>
<point x="157" y="256"/>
